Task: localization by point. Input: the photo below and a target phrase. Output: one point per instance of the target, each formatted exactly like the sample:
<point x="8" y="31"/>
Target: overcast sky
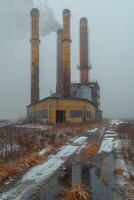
<point x="111" y="35"/>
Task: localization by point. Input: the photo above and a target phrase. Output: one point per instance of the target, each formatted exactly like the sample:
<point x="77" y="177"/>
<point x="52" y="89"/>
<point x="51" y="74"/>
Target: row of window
<point x="40" y="114"/>
<point x="88" y="114"/>
<point x="73" y="114"/>
<point x="76" y="113"/>
<point x="80" y="113"/>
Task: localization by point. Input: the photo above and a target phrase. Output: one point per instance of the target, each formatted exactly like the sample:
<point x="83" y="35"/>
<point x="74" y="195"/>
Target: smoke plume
<point x="48" y="22"/>
<point x="15" y="18"/>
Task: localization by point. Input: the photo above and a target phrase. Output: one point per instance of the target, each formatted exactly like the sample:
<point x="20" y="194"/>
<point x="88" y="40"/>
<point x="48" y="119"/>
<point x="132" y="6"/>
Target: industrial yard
<point x="96" y="158"/>
<point x="72" y="103"/>
<point x="66" y="146"/>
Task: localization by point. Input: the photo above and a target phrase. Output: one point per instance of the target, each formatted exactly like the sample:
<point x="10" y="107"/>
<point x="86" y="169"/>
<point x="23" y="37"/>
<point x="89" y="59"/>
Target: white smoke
<point x="48" y="22"/>
<point x="15" y="32"/>
<point x="15" y="18"/>
<point x="39" y="3"/>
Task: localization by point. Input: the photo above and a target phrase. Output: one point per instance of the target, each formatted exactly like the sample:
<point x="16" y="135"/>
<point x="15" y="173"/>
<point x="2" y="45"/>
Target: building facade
<point x="62" y="110"/>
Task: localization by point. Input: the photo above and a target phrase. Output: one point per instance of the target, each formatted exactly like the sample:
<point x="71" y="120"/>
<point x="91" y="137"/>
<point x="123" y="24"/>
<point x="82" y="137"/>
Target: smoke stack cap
<point x="83" y="19"/>
<point x="34" y="11"/>
<point x="66" y="11"/>
<point x="60" y="31"/>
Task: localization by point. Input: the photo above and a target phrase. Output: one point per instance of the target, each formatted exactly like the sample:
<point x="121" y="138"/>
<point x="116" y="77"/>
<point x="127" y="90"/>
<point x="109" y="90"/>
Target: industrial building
<point x="72" y="102"/>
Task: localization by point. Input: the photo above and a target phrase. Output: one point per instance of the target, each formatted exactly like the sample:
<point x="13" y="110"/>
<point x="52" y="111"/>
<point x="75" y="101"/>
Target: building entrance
<point x="60" y="116"/>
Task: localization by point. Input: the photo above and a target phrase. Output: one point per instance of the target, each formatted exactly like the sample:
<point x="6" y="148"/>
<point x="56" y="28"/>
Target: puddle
<point x="102" y="178"/>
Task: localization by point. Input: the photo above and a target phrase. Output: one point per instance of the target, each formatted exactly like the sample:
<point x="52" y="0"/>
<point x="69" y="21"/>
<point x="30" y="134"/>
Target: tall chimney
<point x="59" y="86"/>
<point x="66" y="54"/>
<point x="35" y="55"/>
<point x="84" y="67"/>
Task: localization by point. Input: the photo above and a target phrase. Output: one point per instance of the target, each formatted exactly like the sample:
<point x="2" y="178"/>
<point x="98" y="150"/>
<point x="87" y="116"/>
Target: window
<point x="39" y="114"/>
<point x="45" y="113"/>
<point x="33" y="114"/>
<point x="75" y="113"/>
<point x="89" y="114"/>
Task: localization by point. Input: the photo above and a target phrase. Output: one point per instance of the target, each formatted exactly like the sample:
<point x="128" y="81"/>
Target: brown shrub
<point x="118" y="171"/>
<point x="126" y="128"/>
<point x="76" y="193"/>
<point x="91" y="150"/>
<point x="5" y="172"/>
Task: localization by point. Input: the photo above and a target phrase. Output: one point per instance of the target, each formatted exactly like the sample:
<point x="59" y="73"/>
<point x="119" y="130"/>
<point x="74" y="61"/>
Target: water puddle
<point x="102" y="178"/>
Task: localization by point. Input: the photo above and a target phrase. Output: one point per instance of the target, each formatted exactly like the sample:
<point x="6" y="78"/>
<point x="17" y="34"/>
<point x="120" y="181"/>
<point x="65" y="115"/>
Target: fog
<point x="111" y="41"/>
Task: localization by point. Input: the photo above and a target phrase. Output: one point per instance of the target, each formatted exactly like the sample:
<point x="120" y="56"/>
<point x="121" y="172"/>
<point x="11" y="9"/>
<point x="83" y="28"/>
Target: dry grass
<point x="22" y="164"/>
<point x="118" y="171"/>
<point x="31" y="161"/>
<point x="90" y="151"/>
<point x="131" y="177"/>
<point x="76" y="193"/>
<point x="6" y="172"/>
<point x="58" y="144"/>
<point x="19" y="163"/>
<point x="126" y="128"/>
<point x="26" y="162"/>
<point x="130" y="191"/>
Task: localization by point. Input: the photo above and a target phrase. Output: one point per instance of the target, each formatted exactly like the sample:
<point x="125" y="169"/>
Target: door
<point x="60" y="116"/>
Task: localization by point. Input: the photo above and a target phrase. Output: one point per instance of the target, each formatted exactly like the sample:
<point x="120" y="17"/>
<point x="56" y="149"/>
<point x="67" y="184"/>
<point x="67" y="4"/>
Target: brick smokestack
<point x="59" y="86"/>
<point x="66" y="54"/>
<point x="35" y="55"/>
<point x="84" y="67"/>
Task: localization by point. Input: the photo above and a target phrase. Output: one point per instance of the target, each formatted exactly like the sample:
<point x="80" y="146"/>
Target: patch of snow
<point x="80" y="140"/>
<point x="46" y="169"/>
<point x="110" y="131"/>
<point x="81" y="148"/>
<point x="4" y="124"/>
<point x="115" y="122"/>
<point x="43" y="151"/>
<point x="117" y="144"/>
<point x="72" y="139"/>
<point x="33" y="126"/>
<point x="107" y="145"/>
<point x="92" y="131"/>
<point x="111" y="135"/>
<point x="38" y="174"/>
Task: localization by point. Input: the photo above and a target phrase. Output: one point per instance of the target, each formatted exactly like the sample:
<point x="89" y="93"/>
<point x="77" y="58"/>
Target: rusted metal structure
<point x="66" y="54"/>
<point x="59" y="85"/>
<point x="35" y="55"/>
<point x="84" y="66"/>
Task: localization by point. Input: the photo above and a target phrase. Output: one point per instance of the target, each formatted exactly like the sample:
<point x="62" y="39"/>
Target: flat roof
<point x="63" y="98"/>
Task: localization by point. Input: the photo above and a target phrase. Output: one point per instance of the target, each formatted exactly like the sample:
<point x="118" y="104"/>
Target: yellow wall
<point x="59" y="104"/>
